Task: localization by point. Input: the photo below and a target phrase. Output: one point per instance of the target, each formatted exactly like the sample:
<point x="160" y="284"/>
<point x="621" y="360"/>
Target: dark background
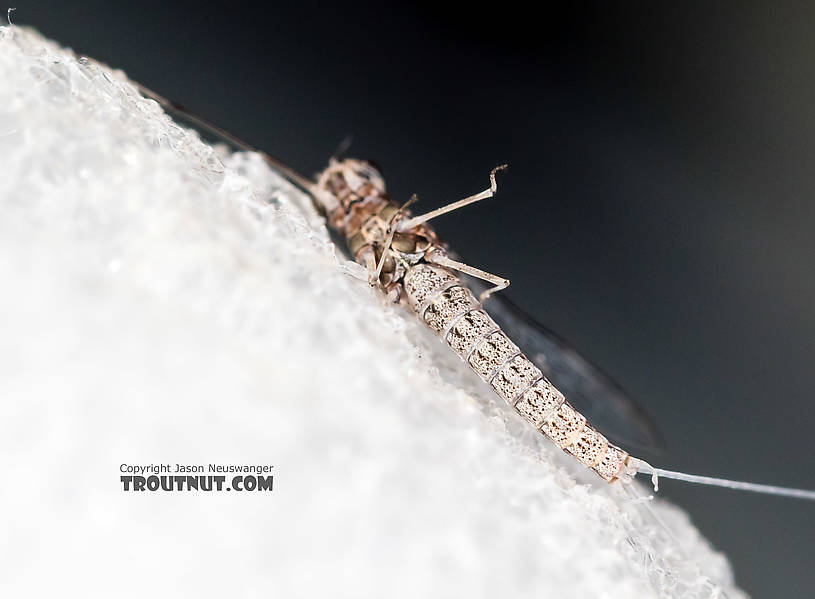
<point x="658" y="212"/>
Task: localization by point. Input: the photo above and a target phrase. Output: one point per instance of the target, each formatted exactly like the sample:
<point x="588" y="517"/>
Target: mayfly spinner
<point x="405" y="259"/>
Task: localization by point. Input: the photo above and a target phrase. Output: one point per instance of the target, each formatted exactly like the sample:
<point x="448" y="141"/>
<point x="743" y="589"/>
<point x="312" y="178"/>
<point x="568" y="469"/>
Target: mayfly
<point x="405" y="259"/>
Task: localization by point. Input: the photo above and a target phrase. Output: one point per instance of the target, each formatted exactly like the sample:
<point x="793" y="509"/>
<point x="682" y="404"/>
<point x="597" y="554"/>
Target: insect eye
<point x="374" y="167"/>
<point x="370" y="171"/>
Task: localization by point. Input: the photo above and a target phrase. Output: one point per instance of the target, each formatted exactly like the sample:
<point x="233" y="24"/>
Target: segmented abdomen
<point x="449" y="308"/>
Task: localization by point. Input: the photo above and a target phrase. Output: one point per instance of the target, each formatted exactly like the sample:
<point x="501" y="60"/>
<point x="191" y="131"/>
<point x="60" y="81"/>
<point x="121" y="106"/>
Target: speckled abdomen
<point x="449" y="308"/>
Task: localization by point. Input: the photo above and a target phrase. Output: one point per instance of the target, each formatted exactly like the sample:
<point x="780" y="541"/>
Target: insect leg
<point x="368" y="261"/>
<point x="423" y="218"/>
<point x="440" y="258"/>
<point x="389" y="239"/>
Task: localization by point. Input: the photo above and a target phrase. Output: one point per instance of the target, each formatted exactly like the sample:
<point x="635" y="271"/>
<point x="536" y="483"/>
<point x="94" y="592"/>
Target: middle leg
<point x="440" y="257"/>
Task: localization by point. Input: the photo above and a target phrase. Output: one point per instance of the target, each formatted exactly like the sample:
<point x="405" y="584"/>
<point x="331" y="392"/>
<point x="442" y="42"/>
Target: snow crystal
<point x="166" y="302"/>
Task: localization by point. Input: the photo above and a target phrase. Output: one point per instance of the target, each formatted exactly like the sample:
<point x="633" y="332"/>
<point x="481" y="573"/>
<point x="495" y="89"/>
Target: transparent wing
<point x="592" y="392"/>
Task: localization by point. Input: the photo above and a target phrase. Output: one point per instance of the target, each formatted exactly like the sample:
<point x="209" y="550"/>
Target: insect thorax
<point x="363" y="213"/>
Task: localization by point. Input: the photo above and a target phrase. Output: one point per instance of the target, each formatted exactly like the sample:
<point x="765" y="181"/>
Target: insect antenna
<point x="343" y="147"/>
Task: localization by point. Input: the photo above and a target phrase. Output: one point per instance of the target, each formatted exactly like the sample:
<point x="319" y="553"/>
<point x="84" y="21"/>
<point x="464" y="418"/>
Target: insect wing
<point x="610" y="409"/>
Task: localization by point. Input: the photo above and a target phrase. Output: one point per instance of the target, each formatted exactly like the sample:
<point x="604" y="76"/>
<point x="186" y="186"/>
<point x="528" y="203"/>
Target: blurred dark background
<point x="659" y="211"/>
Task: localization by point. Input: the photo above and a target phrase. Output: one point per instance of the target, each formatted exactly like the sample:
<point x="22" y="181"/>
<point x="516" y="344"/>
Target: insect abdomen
<point x="449" y="308"/>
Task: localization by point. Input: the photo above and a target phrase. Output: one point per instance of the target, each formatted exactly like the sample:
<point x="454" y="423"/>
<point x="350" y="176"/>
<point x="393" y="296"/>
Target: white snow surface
<point x="164" y="302"/>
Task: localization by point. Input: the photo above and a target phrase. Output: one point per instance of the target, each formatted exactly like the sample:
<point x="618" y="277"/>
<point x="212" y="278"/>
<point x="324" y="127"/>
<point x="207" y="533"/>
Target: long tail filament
<point x="646" y="468"/>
